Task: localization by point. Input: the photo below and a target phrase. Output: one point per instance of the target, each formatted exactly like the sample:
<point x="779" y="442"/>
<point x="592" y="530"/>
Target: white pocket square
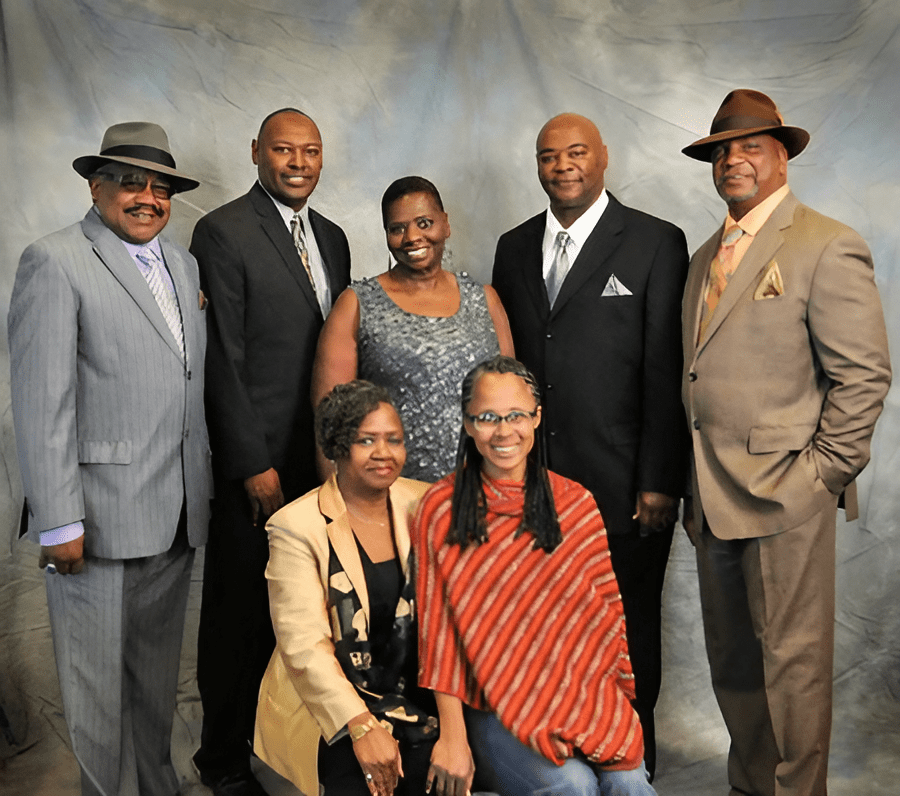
<point x="615" y="288"/>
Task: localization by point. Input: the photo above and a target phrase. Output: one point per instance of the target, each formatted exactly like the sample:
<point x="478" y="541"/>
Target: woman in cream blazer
<point x="320" y="605"/>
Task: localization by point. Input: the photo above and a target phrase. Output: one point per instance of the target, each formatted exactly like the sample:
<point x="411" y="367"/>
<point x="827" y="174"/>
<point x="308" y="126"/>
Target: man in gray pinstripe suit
<point x="107" y="339"/>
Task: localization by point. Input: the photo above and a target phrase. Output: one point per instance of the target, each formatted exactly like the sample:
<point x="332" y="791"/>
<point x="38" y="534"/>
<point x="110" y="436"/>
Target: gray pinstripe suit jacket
<point x="109" y="421"/>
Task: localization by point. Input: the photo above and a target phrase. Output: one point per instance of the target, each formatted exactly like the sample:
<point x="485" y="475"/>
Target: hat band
<point x="736" y="123"/>
<point x="138" y="152"/>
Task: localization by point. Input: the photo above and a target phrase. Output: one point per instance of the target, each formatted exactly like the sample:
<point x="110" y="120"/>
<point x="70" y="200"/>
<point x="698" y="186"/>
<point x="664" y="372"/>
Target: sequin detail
<point x="421" y="361"/>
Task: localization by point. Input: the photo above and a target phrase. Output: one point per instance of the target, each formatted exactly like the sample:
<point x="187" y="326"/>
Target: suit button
<point x="552" y="433"/>
<point x="549" y="336"/>
<point x="696" y="424"/>
<point x="189" y="375"/>
<point x="187" y="433"/>
<point x="549" y="386"/>
<point x="692" y="376"/>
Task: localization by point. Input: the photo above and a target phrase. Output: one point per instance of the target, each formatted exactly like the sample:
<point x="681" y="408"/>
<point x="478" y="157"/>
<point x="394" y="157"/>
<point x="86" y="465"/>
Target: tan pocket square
<point x="771" y="285"/>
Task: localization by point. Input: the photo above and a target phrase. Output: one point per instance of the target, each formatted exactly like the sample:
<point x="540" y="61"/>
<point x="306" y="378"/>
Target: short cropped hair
<point x="404" y="187"/>
<point x="341" y="412"/>
<point x="273" y="114"/>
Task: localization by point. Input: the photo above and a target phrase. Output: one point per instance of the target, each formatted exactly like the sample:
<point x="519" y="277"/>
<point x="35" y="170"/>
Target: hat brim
<point x="794" y="139"/>
<point x="88" y="164"/>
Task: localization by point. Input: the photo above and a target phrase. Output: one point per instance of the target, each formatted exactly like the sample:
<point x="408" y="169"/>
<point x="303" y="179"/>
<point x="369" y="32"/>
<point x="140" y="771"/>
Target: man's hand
<point x="68" y="557"/>
<point x="655" y="511"/>
<point x="264" y="491"/>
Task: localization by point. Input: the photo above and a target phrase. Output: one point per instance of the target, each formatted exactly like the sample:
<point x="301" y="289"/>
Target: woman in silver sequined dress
<point x="415" y="329"/>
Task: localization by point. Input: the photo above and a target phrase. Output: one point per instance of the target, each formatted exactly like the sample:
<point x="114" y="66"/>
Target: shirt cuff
<point x="62" y="534"/>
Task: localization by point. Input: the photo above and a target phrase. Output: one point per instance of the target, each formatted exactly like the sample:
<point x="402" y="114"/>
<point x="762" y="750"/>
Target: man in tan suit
<point x="786" y="369"/>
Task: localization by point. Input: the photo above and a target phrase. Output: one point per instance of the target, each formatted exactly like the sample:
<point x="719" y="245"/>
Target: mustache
<point x="720" y="181"/>
<point x="144" y="208"/>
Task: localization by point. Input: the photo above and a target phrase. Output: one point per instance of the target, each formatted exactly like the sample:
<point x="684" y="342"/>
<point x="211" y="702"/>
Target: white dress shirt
<point x="579" y="232"/>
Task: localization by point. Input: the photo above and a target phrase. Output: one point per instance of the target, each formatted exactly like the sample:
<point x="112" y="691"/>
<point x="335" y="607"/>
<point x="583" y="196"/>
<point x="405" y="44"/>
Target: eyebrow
<point x="551" y="149"/>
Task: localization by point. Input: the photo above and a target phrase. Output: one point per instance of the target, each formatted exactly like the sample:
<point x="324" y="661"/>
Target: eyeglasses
<point x="133" y="183"/>
<point x="491" y="420"/>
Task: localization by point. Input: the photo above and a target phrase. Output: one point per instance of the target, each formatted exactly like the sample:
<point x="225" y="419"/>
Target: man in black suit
<point x="271" y="267"/>
<point x="593" y="293"/>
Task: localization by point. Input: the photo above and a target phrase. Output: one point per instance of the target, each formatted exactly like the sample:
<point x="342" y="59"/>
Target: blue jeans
<point x="505" y="765"/>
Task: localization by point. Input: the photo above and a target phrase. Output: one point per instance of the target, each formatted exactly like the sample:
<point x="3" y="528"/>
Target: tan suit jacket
<point x="304" y="694"/>
<point x="783" y="392"/>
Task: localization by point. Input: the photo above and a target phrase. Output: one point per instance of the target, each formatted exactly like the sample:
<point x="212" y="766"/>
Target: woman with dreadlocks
<point x="521" y="631"/>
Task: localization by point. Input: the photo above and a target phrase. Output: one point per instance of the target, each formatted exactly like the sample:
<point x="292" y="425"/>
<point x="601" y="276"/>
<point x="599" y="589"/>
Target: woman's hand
<point x="379" y="757"/>
<point x="452" y="767"/>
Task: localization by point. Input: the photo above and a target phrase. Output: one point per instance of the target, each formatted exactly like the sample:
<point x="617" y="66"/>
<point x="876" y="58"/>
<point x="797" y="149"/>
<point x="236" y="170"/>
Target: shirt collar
<point x="134" y="248"/>
<point x="753" y="221"/>
<point x="287" y="213"/>
<point x="583" y="226"/>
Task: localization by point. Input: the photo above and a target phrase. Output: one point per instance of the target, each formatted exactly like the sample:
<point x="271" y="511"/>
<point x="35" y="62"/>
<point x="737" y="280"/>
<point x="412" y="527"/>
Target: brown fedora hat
<point x="141" y="144"/>
<point x="747" y="112"/>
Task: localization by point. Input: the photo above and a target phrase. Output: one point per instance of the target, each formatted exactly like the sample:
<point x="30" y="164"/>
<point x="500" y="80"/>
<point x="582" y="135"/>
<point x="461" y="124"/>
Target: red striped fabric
<point x="537" y="638"/>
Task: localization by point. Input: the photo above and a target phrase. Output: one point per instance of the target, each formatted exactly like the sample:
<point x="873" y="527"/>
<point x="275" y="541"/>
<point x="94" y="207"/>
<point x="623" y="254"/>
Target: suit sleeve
<point x="846" y="326"/>
<point x="43" y="344"/>
<point x="237" y="432"/>
<point x="663" y="458"/>
<point x="297" y="597"/>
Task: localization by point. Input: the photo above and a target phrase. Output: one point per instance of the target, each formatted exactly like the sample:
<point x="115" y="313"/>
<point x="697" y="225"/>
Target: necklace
<point x="364" y="519"/>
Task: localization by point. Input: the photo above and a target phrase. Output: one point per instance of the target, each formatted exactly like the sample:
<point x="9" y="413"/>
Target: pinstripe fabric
<point x="538" y="638"/>
<point x="106" y="413"/>
<point x="123" y="621"/>
<point x="110" y="430"/>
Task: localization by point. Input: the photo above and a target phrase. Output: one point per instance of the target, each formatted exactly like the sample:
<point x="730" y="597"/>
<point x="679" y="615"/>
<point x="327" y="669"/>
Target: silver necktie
<point x="165" y="297"/>
<point x="559" y="268"/>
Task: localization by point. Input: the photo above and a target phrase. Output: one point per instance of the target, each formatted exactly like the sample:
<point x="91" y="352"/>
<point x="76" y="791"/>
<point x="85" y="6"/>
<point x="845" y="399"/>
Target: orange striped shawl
<point x="537" y="638"/>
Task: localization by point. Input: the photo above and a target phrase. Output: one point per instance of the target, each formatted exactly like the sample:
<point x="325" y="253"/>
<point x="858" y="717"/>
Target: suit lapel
<point x="178" y="271"/>
<point x="273" y="225"/>
<point x="340" y="534"/>
<point x="693" y="290"/>
<point x="113" y="254"/>
<point x="531" y="268"/>
<point x="763" y="248"/>
<point x="597" y="249"/>
<point x="326" y="248"/>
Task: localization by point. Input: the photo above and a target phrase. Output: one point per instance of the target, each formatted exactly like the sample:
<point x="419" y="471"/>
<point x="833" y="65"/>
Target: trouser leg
<point x="235" y="638"/>
<point x="640" y="566"/>
<point x="156" y="593"/>
<point x="768" y="611"/>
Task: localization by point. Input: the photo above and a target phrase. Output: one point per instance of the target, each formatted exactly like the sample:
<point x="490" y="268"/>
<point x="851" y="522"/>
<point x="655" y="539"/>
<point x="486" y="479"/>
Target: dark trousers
<point x="235" y="639"/>
<point x="640" y="566"/>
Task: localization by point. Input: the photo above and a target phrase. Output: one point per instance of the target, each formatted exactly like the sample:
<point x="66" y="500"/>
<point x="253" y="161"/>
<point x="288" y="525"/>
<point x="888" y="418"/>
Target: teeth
<point x="415" y="253"/>
<point x="504" y="450"/>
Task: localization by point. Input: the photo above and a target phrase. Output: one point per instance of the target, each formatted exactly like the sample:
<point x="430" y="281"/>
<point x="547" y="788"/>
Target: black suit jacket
<point x="609" y="366"/>
<point x="263" y="325"/>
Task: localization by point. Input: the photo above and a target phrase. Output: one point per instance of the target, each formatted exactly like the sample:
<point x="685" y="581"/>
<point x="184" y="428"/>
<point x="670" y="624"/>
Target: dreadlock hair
<point x="468" y="509"/>
<point x="404" y="187"/>
<point x="340" y="413"/>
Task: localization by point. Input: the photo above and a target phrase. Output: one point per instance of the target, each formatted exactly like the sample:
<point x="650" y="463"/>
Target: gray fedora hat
<point x="142" y="144"/>
<point x="747" y="112"/>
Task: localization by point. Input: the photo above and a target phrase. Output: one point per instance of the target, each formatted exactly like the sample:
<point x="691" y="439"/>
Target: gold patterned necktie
<point x="300" y="242"/>
<point x="720" y="271"/>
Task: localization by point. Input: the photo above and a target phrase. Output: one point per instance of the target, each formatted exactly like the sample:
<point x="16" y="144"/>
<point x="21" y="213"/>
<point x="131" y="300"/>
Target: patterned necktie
<point x="164" y="295"/>
<point x="559" y="268"/>
<point x="300" y="242"/>
<point x="720" y="271"/>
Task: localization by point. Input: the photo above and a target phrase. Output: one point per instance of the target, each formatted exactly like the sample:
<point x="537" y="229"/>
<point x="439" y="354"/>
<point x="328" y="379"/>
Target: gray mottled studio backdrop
<point x="456" y="90"/>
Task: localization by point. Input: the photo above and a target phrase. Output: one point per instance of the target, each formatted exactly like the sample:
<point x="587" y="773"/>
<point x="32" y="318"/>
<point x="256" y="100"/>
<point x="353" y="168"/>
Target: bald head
<point x="571" y="160"/>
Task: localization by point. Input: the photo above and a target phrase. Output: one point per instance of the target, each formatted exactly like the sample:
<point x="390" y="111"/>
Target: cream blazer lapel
<point x="403" y="495"/>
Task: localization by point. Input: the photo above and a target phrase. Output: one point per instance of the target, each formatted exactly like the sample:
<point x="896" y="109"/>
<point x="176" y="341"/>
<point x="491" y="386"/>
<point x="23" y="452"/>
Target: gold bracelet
<point x="357" y="731"/>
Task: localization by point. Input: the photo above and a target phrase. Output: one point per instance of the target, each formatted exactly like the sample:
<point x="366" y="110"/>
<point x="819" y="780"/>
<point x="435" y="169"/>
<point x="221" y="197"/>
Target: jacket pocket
<point x="770" y="439"/>
<point x="94" y="452"/>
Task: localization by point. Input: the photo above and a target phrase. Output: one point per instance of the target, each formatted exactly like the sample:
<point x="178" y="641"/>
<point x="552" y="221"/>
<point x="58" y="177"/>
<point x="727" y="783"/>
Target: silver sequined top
<point x="421" y="361"/>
